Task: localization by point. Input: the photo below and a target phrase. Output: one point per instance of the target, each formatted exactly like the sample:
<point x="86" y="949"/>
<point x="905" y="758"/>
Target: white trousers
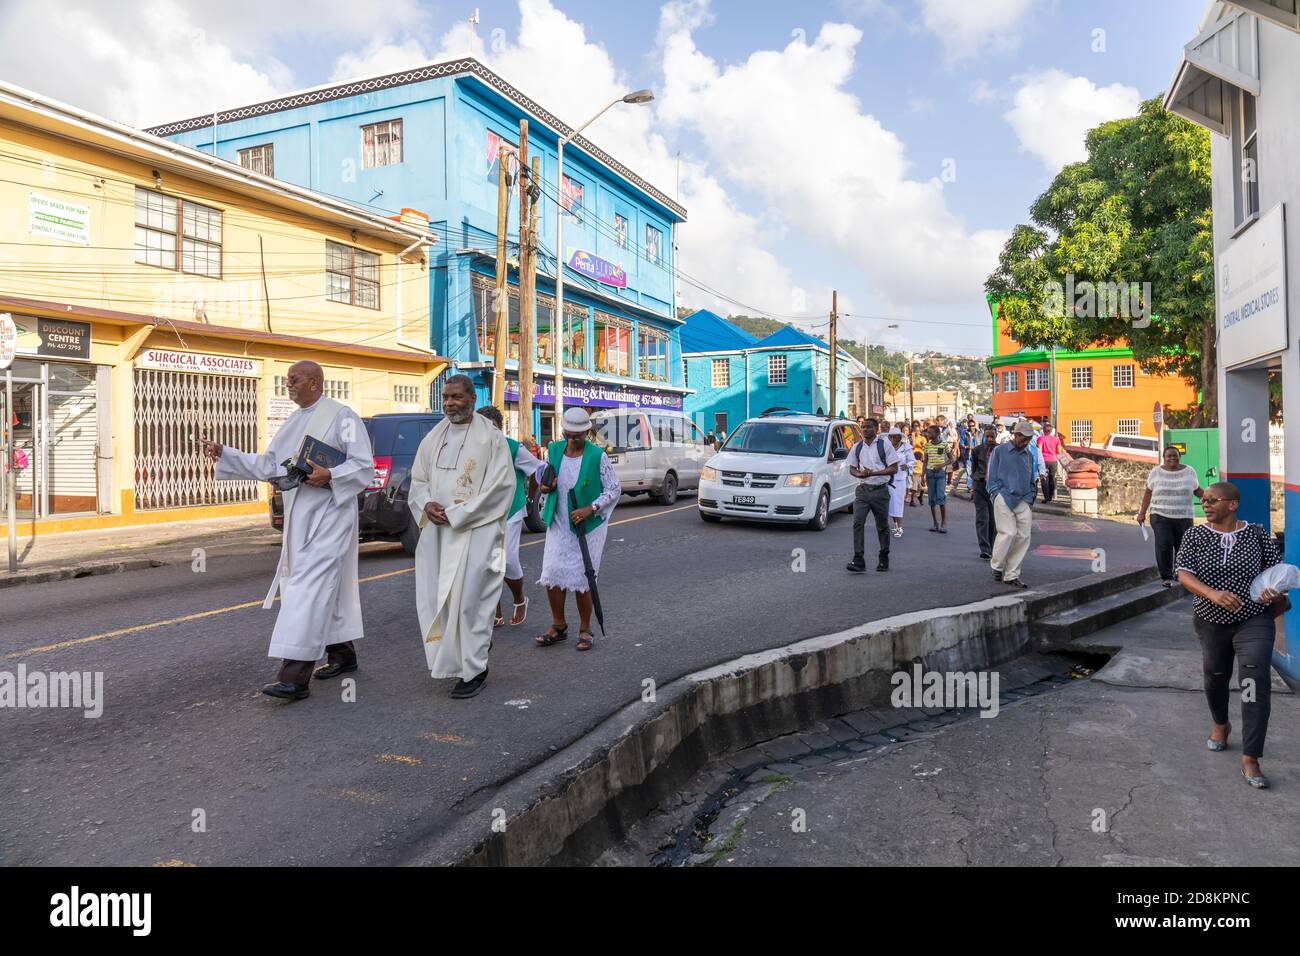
<point x="1012" y="542"/>
<point x="514" y="528"/>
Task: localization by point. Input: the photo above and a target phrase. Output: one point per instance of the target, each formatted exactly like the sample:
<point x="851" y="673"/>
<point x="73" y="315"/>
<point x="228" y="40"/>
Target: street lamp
<point x="557" y="321"/>
<point x="866" y="364"/>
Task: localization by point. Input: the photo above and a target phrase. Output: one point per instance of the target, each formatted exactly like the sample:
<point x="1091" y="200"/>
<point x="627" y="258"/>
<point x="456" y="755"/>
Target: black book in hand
<point x="313" y="449"/>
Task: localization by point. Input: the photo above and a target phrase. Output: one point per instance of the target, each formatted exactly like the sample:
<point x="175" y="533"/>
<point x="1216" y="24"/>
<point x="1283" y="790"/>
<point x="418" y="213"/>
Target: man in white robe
<point x="316" y="577"/>
<point x="462" y="485"/>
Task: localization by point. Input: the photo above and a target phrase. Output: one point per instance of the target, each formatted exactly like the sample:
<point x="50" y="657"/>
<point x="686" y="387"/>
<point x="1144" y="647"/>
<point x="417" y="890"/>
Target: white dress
<point x="562" y="558"/>
<point x="898" y="483"/>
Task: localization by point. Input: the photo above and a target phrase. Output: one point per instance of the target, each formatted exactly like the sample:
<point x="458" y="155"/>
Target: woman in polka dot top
<point x="1217" y="562"/>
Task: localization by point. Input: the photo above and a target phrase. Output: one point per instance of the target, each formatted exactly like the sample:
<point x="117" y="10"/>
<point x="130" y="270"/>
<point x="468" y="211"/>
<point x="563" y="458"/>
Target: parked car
<point x="385" y="516"/>
<point x="1140" y="445"/>
<point x="790" y="468"/>
<point x="658" y="453"/>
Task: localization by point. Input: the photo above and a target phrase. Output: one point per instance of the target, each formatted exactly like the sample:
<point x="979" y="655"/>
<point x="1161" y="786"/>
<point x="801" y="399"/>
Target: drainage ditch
<point x="850" y="735"/>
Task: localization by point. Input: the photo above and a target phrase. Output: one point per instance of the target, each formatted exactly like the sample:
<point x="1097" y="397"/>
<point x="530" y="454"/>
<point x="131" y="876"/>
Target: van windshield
<point x="778" y="438"/>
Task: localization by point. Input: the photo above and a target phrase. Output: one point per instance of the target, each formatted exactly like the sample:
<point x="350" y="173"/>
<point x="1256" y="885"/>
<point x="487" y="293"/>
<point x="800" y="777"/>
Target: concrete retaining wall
<point x="570" y="807"/>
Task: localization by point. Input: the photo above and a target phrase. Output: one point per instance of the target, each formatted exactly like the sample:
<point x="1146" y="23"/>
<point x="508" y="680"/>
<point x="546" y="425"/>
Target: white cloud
<point x="1053" y="110"/>
<point x="920" y="104"/>
<point x="981" y="93"/>
<point x="158" y="60"/>
<point x="834" y="175"/>
<point x="967" y="28"/>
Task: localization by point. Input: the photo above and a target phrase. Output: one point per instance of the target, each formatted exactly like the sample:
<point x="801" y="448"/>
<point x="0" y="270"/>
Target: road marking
<point x="185" y="619"/>
<point x="1059" y="551"/>
<point x="1062" y="524"/>
<point x="399" y="758"/>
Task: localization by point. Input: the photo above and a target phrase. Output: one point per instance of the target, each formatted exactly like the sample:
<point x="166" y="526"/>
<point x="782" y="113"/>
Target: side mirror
<point x="839" y="454"/>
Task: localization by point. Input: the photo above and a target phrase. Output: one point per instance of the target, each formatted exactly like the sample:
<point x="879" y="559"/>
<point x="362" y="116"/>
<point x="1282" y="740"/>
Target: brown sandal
<point x="586" y="641"/>
<point x="556" y="634"/>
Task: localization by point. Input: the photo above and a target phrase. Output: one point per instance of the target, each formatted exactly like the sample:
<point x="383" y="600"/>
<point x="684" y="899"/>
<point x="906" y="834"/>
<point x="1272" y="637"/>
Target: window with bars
<point x="1035" y="380"/>
<point x="1121" y="376"/>
<point x="177" y="234"/>
<point x="1081" y="432"/>
<point x="351" y="275"/>
<point x="381" y="144"/>
<point x="1081" y="378"/>
<point x="281" y="387"/>
<point x="339" y="388"/>
<point x="721" y="373"/>
<point x="777" y="370"/>
<point x="259" y="159"/>
<point x="686" y="377"/>
<point x="1011" y="380"/>
<point x="406" y="394"/>
<point x="435" y="390"/>
<point x="1130" y="426"/>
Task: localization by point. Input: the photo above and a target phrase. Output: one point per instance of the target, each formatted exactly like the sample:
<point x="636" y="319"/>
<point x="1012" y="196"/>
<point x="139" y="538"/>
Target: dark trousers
<point x="873" y="499"/>
<point x="1168" y="533"/>
<point x="299" y="672"/>
<point x="983" y="515"/>
<point x="1049" y="483"/>
<point x="1251" y="642"/>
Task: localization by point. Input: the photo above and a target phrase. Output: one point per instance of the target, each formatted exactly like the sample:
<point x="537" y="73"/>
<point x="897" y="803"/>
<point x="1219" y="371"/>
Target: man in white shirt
<point x="873" y="461"/>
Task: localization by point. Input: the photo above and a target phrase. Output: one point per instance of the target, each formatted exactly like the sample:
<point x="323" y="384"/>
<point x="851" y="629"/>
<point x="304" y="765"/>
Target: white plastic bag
<point x="1280" y="578"/>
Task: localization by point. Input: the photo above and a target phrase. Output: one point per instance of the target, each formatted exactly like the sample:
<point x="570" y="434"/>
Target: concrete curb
<point x="568" y="807"/>
<point x="87" y="570"/>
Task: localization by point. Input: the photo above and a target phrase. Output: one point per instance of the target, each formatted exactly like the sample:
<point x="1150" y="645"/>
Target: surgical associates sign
<point x="1251" y="294"/>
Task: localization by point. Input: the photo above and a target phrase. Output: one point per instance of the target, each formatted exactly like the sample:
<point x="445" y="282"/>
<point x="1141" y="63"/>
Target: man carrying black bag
<point x="873" y="461"/>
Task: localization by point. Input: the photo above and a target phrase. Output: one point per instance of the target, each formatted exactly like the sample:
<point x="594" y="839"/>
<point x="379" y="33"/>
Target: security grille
<point x="1130" y="426"/>
<point x="172" y="411"/>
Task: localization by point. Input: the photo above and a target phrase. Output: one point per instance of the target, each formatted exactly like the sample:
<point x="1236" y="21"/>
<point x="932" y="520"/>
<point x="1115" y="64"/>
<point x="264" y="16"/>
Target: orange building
<point x="1099" y="392"/>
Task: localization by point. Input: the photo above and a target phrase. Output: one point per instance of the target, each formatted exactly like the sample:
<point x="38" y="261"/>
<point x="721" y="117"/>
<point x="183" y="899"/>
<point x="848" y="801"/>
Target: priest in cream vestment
<point x="462" y="485"/>
<point x="316" y="577"/>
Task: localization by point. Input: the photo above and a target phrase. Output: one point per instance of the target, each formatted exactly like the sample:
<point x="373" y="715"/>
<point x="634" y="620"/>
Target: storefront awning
<point x="1222" y="59"/>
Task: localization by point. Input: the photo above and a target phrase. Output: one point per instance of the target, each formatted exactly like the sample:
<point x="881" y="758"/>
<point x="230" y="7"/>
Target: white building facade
<point x="1240" y="79"/>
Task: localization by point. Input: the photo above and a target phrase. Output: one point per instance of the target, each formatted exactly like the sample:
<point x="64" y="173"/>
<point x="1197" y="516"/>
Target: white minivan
<point x="790" y="468"/>
<point x="655" y="452"/>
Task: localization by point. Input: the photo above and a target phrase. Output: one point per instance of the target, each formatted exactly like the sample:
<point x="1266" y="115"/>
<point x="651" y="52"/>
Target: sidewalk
<point x="52" y="557"/>
<point x="1110" y="771"/>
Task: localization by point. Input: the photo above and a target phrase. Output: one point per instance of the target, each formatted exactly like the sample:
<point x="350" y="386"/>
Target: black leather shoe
<point x="985" y="555"/>
<point x="1016" y="583"/>
<point x="997" y="575"/>
<point x="856" y="566"/>
<point x="882" y="564"/>
<point x="283" y="690"/>
<point x="468" y="688"/>
<point x="334" y="670"/>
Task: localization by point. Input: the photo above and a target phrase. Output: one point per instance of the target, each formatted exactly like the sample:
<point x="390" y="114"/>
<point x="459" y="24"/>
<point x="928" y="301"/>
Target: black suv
<point x="384" y="512"/>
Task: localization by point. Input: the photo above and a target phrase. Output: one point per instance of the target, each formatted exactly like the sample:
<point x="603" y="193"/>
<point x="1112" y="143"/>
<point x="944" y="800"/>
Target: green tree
<point x="1136" y="211"/>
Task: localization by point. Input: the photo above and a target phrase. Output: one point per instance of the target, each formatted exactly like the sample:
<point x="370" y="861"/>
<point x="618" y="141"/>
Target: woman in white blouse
<point x="1171" y="487"/>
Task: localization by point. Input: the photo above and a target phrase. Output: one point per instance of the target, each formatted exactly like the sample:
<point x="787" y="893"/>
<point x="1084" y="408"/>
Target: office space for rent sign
<point x="58" y="219"/>
<point x="1251" y="293"/>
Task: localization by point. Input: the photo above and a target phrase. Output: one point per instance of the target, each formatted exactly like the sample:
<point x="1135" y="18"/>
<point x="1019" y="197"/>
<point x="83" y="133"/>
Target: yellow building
<point x="161" y="294"/>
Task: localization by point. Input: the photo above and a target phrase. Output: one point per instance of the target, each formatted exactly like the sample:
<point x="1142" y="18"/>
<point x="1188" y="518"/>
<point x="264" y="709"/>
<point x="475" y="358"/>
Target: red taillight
<point x="383" y="468"/>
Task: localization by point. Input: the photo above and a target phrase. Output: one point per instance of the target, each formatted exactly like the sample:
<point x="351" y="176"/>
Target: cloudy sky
<point x="884" y="148"/>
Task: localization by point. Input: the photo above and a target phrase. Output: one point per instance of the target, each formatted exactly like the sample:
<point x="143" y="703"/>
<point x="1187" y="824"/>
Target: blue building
<point x="734" y="375"/>
<point x="427" y="139"/>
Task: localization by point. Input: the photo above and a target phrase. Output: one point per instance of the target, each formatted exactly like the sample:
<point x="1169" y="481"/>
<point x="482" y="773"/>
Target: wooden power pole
<point x="526" y="291"/>
<point x="501" y="298"/>
<point x="834" y="330"/>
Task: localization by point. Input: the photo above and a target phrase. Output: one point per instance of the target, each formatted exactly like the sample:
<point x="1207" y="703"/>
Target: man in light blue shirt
<point x="1012" y="486"/>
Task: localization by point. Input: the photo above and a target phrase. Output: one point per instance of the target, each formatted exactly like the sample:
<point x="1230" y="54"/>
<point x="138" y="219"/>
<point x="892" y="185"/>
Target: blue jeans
<point x="936" y="483"/>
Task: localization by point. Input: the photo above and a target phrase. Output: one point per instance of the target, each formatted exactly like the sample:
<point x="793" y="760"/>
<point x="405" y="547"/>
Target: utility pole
<point x="911" y="396"/>
<point x="524" y="291"/>
<point x="501" y="300"/>
<point x="835" y="317"/>
<point x="528" y="307"/>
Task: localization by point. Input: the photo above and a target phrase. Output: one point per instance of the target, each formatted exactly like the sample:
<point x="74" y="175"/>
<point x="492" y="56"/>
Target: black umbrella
<point x="581" y="531"/>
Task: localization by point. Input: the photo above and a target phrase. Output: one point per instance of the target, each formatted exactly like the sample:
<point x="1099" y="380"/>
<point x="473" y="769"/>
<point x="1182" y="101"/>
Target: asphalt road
<point x="186" y="735"/>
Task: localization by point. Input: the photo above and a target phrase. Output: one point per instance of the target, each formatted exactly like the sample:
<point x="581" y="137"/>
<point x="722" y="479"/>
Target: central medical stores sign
<point x="168" y="360"/>
<point x="1251" y="294"/>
